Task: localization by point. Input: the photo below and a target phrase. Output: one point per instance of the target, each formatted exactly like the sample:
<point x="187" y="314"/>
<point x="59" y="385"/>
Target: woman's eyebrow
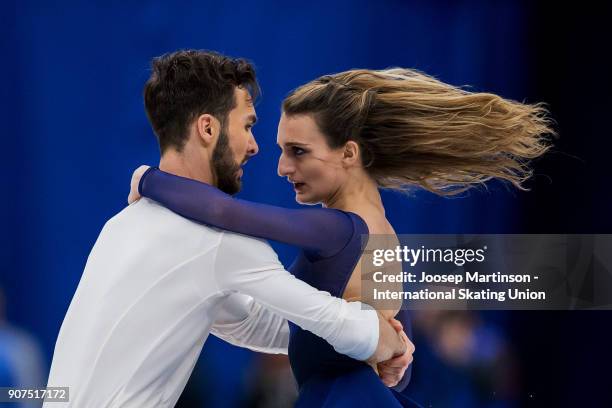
<point x="290" y="143"/>
<point x="252" y="119"/>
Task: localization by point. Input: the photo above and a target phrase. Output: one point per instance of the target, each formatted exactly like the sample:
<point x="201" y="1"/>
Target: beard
<point x="225" y="166"/>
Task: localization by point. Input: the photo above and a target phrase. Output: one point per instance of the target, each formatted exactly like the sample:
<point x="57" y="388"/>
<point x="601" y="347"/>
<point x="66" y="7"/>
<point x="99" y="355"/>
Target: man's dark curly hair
<point x="188" y="83"/>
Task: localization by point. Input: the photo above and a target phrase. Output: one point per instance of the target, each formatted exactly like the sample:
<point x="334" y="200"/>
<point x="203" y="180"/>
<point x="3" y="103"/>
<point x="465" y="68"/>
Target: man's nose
<point x="285" y="168"/>
<point x="252" y="148"/>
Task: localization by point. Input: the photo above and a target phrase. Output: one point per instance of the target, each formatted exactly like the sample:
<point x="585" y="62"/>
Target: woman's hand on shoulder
<point x="136" y="176"/>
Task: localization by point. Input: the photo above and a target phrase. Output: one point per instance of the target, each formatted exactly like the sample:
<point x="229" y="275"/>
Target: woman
<point x="343" y="137"/>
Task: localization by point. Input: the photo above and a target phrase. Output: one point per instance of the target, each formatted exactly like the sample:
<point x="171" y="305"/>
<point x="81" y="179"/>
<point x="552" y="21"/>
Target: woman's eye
<point x="298" y="151"/>
<point x="249" y="127"/>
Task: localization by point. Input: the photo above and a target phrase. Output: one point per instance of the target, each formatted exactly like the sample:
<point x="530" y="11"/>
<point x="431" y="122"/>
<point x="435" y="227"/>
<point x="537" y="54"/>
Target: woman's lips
<point x="298" y="186"/>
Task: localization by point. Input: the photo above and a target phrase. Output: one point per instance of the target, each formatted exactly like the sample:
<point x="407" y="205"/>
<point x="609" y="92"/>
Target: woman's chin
<point x="302" y="198"/>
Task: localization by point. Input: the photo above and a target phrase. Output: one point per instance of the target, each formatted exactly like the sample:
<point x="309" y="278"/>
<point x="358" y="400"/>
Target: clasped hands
<point x="392" y="371"/>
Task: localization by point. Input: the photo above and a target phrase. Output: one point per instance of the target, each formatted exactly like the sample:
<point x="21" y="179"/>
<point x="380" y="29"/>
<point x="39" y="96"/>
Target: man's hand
<point x="136" y="176"/>
<point x="390" y="343"/>
<point x="392" y="371"/>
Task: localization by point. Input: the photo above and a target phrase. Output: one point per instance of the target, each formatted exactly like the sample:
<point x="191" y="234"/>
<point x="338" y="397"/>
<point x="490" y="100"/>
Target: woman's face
<point x="314" y="169"/>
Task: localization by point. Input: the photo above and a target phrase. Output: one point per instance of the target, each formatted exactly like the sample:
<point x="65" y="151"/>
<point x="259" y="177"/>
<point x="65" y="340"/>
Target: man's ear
<point x="350" y="153"/>
<point x="207" y="127"/>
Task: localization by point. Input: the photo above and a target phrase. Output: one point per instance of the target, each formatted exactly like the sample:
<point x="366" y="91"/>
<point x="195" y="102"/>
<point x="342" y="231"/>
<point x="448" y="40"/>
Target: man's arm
<point x="250" y="266"/>
<point x="245" y="323"/>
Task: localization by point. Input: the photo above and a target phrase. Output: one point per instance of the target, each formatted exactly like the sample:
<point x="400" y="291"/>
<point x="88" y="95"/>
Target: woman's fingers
<point x="396" y="324"/>
<point x="136" y="176"/>
<point x="392" y="370"/>
<point x="390" y="376"/>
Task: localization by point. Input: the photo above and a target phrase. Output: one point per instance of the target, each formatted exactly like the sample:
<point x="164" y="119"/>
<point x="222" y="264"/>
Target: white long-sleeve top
<point x="156" y="284"/>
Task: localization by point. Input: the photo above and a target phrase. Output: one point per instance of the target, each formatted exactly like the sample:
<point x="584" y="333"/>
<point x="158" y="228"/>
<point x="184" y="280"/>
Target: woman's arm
<point x="322" y="231"/>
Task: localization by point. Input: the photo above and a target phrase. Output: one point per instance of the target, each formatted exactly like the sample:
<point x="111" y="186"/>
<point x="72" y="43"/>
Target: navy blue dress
<point x="330" y="242"/>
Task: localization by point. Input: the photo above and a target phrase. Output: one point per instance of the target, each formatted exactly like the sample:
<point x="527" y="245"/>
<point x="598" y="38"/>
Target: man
<point x="156" y="284"/>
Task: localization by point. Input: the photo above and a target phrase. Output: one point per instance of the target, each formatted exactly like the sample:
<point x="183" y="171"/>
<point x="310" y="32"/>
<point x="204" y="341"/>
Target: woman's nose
<point x="285" y="168"/>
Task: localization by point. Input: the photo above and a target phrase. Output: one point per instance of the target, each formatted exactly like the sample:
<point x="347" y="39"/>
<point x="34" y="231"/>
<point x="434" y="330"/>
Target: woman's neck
<point x="358" y="194"/>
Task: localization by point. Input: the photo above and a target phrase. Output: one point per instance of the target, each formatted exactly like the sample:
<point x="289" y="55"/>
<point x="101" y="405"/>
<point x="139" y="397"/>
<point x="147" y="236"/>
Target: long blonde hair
<point x="414" y="130"/>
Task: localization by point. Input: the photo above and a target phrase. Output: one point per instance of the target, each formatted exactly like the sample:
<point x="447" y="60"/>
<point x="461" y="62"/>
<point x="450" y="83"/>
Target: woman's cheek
<point x="328" y="182"/>
<point x="315" y="174"/>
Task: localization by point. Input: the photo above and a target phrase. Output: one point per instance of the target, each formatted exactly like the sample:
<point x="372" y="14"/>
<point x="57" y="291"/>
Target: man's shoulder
<point x="237" y="239"/>
<point x="235" y="245"/>
<point x="146" y="214"/>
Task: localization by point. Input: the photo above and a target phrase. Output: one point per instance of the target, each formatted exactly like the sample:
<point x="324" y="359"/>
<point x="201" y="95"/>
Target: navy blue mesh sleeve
<point x="321" y="231"/>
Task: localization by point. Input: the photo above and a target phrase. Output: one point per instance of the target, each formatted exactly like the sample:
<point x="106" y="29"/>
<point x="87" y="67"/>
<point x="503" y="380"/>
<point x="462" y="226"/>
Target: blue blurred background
<point x="74" y="128"/>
